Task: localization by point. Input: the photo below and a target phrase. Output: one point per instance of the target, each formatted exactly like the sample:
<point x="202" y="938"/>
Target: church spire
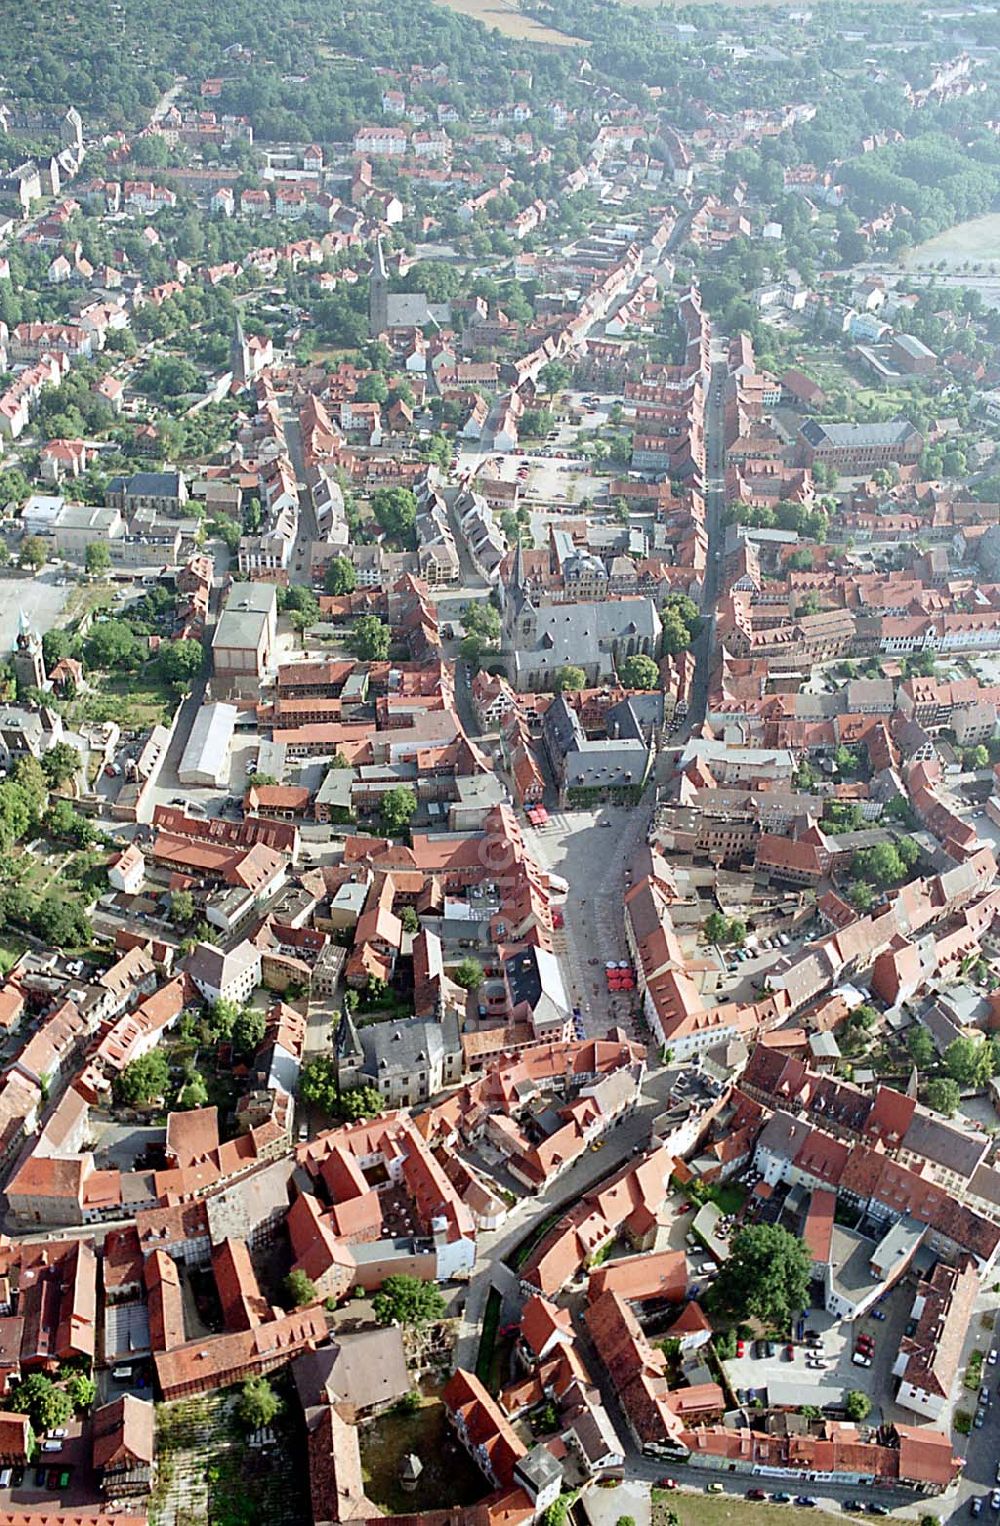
<point x="239" y="353"/>
<point x="378" y="293"/>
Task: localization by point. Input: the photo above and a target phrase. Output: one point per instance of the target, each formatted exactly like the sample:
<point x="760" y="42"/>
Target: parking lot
<point x="41" y="598"/>
<point x="839" y="1374"/>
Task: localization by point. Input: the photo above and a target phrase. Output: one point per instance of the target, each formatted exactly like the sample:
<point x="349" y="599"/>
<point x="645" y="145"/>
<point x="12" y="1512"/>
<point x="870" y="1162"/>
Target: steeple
<point x="239" y="352"/>
<point x="378" y="294"/>
<point x="519" y="595"/>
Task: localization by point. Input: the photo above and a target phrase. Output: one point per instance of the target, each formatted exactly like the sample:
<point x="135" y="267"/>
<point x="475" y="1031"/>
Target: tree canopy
<point x="766" y="1277"/>
<point x="407" y="1301"/>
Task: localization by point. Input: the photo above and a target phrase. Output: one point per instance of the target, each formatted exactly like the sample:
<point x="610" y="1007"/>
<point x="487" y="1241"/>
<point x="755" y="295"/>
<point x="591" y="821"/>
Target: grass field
<point x="724" y="1509"/>
<point x="508" y="19"/>
<point x="976" y="242"/>
<point x="11" y="949"/>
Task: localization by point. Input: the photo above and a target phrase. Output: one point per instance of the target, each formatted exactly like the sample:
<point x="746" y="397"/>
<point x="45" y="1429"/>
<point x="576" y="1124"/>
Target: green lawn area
<point x="449" y="1477"/>
<point x="728" y="1197"/>
<point x="134" y="700"/>
<point x="485" y="1358"/>
<point x="520" y="1253"/>
<point x="11" y="949"/>
<point x="720" y="1509"/>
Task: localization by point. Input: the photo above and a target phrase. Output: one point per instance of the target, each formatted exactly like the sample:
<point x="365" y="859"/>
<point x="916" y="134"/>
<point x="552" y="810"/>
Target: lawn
<point x="720" y="1509"/>
<point x="519" y="1255"/>
<point x="728" y="1197"/>
<point x="487" y="1337"/>
<point x="136" y="701"/>
<point x="449" y="1477"/>
<point x="11" y="949"/>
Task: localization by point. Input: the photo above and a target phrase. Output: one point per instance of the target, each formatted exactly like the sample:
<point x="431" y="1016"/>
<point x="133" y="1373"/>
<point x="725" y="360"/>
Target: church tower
<point x="239" y="354"/>
<point x="378" y="294"/>
<point x="519" y="620"/>
<point x="28" y="662"/>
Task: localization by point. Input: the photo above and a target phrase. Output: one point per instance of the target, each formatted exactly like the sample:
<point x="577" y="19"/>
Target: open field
<point x="723" y="1510"/>
<point x="975" y="242"/>
<point x="507" y="18"/>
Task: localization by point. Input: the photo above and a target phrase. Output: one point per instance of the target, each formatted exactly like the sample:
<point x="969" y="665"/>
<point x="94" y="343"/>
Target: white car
<point x="992" y="1358"/>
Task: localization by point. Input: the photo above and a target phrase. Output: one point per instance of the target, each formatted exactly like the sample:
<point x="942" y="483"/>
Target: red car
<point x="665" y="1483"/>
<point x="740" y="1348"/>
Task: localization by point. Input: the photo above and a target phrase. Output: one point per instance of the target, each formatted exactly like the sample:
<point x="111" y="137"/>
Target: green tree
<point x="339" y="577"/>
<point x="858" y="1405"/>
<point x="639" y="672"/>
<point x="258" y="1404"/>
<point x="60" y="764"/>
<point x="97" y="558"/>
<point x="182" y="907"/>
<point x="181" y="661"/>
<point x="34" y="552"/>
<point x="468" y="974"/>
<point x="766" y="1277"/>
<point x="370" y="639"/>
<point x="976" y="757"/>
<point x="358" y="1103"/>
<point x="553" y="377"/>
<point x="396" y="810"/>
<point x="248" y="1030"/>
<point x="881" y="864"/>
<point x="318" y="1083"/>
<point x="299" y="1289"/>
<point x="481" y="618"/>
<point x="224" y="1014"/>
<point x="569" y="678"/>
<point x="395" y="510"/>
<point x="111" y="644"/>
<point x="194" y="1092"/>
<point x="408" y="917"/>
<point x="56" y="644"/>
<point x="968" y="1061"/>
<point x="920" y="1047"/>
<point x="81" y="1390"/>
<point x="407" y="1301"/>
<point x="45" y="1405"/>
<point x="715" y="927"/>
<point x="144" y="1079"/>
<point x="861" y="897"/>
<point x="943" y="1095"/>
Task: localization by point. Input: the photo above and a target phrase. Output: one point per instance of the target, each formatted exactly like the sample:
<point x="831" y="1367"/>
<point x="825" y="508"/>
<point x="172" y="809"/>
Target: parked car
<point x="756" y="1494"/>
<point x="878" y="1314"/>
<point x="874" y="1508"/>
<point x="852" y="1505"/>
<point x="714" y="1488"/>
<point x="976" y="1505"/>
<point x="666" y="1483"/>
<point x="995" y="1500"/>
<point x="806" y="1501"/>
<point x="992" y="1357"/>
<point x="980" y="1419"/>
<point x="985" y="1397"/>
<point x="781" y="1498"/>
